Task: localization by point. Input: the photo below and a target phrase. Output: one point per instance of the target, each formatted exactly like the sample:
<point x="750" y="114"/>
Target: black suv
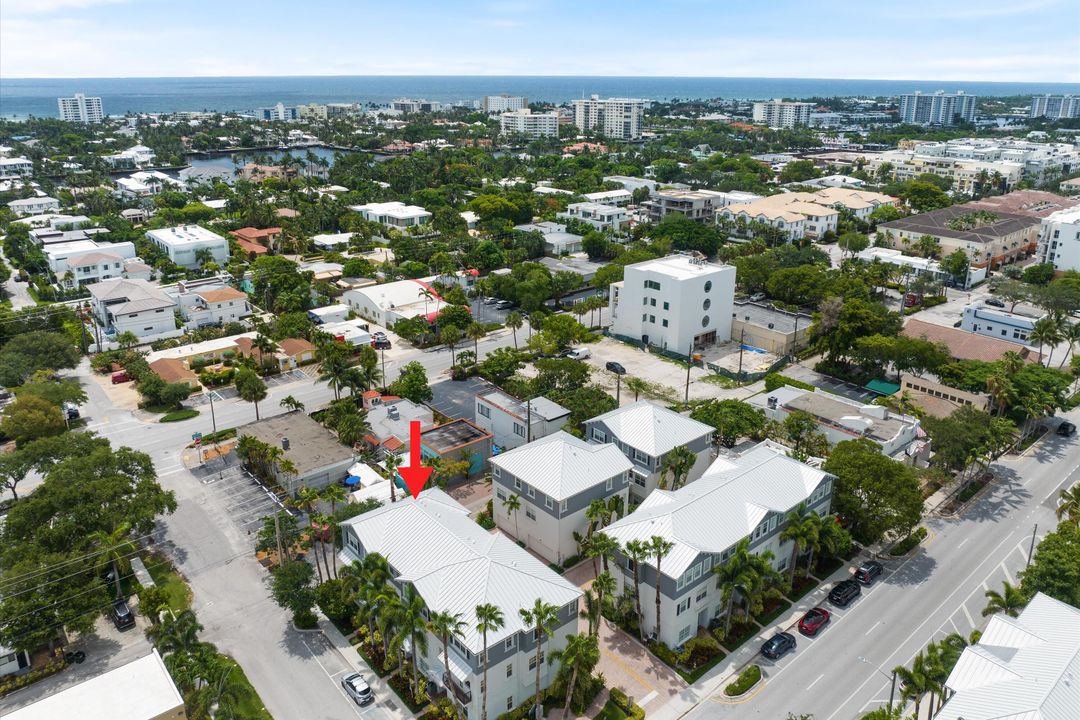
<point x="844" y="592"/>
<point x="1066" y="429"/>
<point x="615" y="367"/>
<point x="779" y="644"/>
<point x="122" y="616"/>
<point x="868" y="572"/>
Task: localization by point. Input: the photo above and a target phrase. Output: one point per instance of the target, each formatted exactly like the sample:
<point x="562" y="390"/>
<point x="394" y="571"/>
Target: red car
<point x="814" y="620"/>
<point x="120" y="377"/>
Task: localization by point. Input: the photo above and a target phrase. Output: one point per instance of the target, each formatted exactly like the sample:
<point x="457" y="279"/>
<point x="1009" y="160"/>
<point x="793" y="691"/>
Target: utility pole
<point x="742" y="336"/>
<point x="892" y="692"/>
<point x="528" y="420"/>
<point x="618" y="389"/>
<point x="277" y="534"/>
<point x="1031" y="549"/>
<point x="382" y="350"/>
<point x="689" y="363"/>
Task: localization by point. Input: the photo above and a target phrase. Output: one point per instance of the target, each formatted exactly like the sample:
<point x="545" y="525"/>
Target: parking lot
<point x="489" y="313"/>
<point x="239" y="495"/>
<point x="229" y="391"/>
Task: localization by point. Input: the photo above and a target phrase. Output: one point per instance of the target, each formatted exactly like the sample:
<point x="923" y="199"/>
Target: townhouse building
<point x="989" y="239"/>
<point x="472" y="567"/>
<point x="16" y="167"/>
<point x="678" y="303"/>
<point x="738" y="498"/>
<point x="34" y="206"/>
<point x="618" y="197"/>
<point x="646" y="433"/>
<point x="556" y="478"/>
<point x="513" y="422"/>
<point x="209" y="303"/>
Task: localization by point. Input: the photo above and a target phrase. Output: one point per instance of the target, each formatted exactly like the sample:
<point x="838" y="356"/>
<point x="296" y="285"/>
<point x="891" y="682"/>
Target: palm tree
<point x="266" y="348"/>
<point x="290" y="403"/>
<point x="1000" y="389"/>
<point x="514" y="321"/>
<point x="603" y="586"/>
<point x="1069" y="505"/>
<point x="802" y="529"/>
<point x="736" y="575"/>
<point x="412" y="626"/>
<point x="1047" y="330"/>
<point x="1011" y="600"/>
<point x="177" y="635"/>
<point x="127" y="340"/>
<point x="333" y="370"/>
<point x="637" y="385"/>
<point x="306" y="501"/>
<point x="615" y="505"/>
<point x="596" y="513"/>
<point x="115" y="549"/>
<point x="1070" y="333"/>
<point x="637" y="551"/>
<point x="428" y="295"/>
<point x="474" y="332"/>
<point x="392" y="463"/>
<point x="591" y="611"/>
<point x="541" y="616"/>
<point x="489" y="618"/>
<point x="936" y="674"/>
<point x="679" y="462"/>
<point x="603" y="546"/>
<point x="915" y="682"/>
<point x="450" y="337"/>
<point x="445" y="625"/>
<point x="324" y="524"/>
<point x="250" y="387"/>
<point x="512" y="504"/>
<point x="334" y="494"/>
<point x="658" y="548"/>
<point x="577" y="658"/>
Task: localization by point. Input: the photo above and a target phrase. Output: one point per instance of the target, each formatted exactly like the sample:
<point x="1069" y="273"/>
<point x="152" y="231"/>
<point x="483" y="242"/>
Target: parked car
<point x="378" y="335"/>
<point x="995" y="302"/>
<point x="779" y="644"/>
<point x="121" y="615"/>
<point x="380" y="344"/>
<point x="757" y="297"/>
<point x="912" y="299"/>
<point x="844" y="592"/>
<point x="120" y="377"/>
<point x="814" y="620"/>
<point x="868" y="572"/>
<point x="5" y="395"/>
<point x="579" y="353"/>
<point x="490" y="300"/>
<point x="1066" y="429"/>
<point x="615" y="367"/>
<point x="71" y="410"/>
<point x="356" y="687"/>
<point x="504" y="305"/>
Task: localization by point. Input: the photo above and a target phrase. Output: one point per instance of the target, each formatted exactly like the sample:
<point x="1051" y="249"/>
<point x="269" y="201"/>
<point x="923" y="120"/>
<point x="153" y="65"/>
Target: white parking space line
<point x="1005" y="570"/>
<point x="815" y="682"/>
<point x="962" y="543"/>
<point x="647" y="699"/>
<point x="337" y="685"/>
<point x="970" y="619"/>
<point x="872" y="628"/>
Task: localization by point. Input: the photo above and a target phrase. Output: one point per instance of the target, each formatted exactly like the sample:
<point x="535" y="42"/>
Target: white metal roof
<point x="139" y="690"/>
<point x="458" y="565"/>
<point x="1027" y="667"/>
<point x="652" y="429"/>
<point x="561" y="465"/>
<point x="722" y="507"/>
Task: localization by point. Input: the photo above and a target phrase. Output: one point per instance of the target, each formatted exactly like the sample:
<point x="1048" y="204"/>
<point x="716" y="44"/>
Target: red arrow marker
<point x="414" y="474"/>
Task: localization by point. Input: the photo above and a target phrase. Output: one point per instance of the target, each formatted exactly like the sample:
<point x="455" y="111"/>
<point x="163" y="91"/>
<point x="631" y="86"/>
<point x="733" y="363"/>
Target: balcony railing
<point x="463" y="695"/>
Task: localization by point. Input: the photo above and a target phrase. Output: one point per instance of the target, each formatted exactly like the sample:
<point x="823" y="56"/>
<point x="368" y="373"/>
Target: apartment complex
<point x="646" y="433"/>
<point x="618" y="118"/>
<point x="407" y="105"/>
<point x="677" y="303"/>
<point x="80" y="108"/>
<point x="472" y="567"/>
<point x="496" y="104"/>
<point x="738" y="498"/>
<point x="1059" y="240"/>
<point x="312" y="111"/>
<point x="186" y="245"/>
<point x="988" y="239"/>
<point x="556" y="478"/>
<point x="1055" y="107"/>
<point x="780" y="114"/>
<point x="526" y="122"/>
<point x="698" y="205"/>
<point x="940" y="108"/>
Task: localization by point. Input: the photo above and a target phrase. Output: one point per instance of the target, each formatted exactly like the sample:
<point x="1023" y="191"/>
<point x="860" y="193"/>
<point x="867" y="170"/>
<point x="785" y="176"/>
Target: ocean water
<point x="20" y="97"/>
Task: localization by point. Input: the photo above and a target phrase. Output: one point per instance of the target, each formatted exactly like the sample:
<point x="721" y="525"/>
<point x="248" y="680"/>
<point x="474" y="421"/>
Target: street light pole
<point x="1031" y="548"/>
<point x="891" y="678"/>
<point x="689" y="362"/>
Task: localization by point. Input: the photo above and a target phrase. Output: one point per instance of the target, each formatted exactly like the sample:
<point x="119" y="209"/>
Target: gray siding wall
<point x="650" y="463"/>
<point x="574" y="503"/>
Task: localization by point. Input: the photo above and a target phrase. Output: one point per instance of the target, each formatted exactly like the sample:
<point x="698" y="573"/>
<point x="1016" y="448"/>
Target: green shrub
<point x="619" y="698"/>
<point x="774" y="380"/>
<point x="335" y="600"/>
<point x="698" y="650"/>
<point x="178" y="415"/>
<point x="666" y="654"/>
<point x="905" y="545"/>
<point x="12" y="684"/>
<point x="746" y="680"/>
<point x="305" y="620"/>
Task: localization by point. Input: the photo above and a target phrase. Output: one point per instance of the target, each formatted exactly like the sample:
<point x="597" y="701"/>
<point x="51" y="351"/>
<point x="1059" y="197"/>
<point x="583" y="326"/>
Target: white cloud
<point x="47" y="7"/>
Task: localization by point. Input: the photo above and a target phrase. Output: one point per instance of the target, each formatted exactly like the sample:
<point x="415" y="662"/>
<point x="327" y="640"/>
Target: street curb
<point x="746" y="696"/>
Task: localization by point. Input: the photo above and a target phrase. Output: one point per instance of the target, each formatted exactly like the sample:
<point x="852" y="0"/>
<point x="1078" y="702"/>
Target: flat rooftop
<point x="185" y="235"/>
<point x="680" y="267"/>
<point x="834" y="411"/>
<point x="540" y="407"/>
<point x="452" y="435"/>
<point x="763" y="316"/>
<point x="311" y="446"/>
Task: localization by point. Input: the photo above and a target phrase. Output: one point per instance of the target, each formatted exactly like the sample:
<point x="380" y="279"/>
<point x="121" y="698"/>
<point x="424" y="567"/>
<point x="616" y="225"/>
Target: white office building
<point x="782" y="114"/>
<point x="556" y="478"/>
<point x="504" y="416"/>
<point x="742" y="498"/>
<point x="183" y="243"/>
<point x="617" y="118"/>
<point x="1059" y="240"/>
<point x="1014" y="326"/>
<point x="940" y="108"/>
<point x="526" y="122"/>
<point x="470" y="567"/>
<point x="80" y="109"/>
<point x="677" y="303"/>
<point x="393" y="214"/>
<point x="496" y="104"/>
<point x="1055" y="107"/>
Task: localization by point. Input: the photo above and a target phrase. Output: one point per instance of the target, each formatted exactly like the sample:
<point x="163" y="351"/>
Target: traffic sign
<point x="196" y="436"/>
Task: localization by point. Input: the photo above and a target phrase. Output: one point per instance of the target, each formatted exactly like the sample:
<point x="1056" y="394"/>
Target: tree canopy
<point x="879" y="496"/>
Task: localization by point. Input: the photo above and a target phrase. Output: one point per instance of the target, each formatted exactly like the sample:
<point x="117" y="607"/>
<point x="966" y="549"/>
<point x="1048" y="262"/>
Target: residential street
<point x="936" y="591"/>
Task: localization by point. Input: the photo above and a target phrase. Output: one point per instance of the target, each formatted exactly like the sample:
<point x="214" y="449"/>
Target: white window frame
<point x="549" y="503"/>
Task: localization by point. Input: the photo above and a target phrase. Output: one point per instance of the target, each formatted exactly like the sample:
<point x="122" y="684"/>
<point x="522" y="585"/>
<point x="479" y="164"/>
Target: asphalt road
<point x="935" y="592"/>
<point x="296" y="674"/>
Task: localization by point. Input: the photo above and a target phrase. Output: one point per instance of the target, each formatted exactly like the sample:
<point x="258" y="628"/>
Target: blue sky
<point x="1006" y="40"/>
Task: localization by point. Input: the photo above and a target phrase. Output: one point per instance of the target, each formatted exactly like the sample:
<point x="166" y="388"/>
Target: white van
<point x="578" y="353"/>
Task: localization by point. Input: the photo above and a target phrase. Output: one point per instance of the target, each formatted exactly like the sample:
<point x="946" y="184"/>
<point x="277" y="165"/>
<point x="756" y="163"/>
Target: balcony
<point x="461" y="694"/>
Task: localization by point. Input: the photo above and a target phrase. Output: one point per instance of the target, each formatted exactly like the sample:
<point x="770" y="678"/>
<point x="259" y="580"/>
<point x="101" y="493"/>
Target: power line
<point x="69" y="561"/>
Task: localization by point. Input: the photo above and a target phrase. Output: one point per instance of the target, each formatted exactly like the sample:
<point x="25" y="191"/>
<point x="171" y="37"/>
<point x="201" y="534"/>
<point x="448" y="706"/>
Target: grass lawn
<point x="178" y="415"/>
<point x="249" y="705"/>
<point x="611" y="711"/>
<point x="165" y="576"/>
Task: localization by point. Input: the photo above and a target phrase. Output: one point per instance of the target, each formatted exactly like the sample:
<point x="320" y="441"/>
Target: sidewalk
<point x="713" y="682"/>
<point x="384" y="696"/>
